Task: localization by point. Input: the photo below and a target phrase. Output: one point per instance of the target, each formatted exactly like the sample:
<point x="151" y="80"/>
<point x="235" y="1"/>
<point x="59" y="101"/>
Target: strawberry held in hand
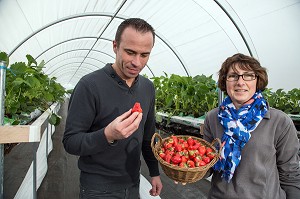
<point x="137" y="108"/>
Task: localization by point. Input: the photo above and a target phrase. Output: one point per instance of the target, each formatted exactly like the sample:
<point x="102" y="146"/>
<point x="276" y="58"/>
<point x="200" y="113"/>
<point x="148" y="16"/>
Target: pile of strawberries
<point x="185" y="152"/>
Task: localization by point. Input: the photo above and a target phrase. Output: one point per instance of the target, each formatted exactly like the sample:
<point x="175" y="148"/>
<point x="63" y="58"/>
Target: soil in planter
<point x="297" y="125"/>
<point x="178" y="129"/>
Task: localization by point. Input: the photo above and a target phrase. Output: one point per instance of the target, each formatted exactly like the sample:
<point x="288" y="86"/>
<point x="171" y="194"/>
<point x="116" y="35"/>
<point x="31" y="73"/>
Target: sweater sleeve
<point x="78" y="139"/>
<point x="149" y="131"/>
<point x="288" y="160"/>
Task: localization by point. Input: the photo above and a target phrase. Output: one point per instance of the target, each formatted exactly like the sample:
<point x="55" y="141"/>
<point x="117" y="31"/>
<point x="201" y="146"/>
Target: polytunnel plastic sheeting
<point x="193" y="37"/>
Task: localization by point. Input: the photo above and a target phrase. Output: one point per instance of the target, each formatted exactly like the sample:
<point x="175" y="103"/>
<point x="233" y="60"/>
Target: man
<point x="101" y="127"/>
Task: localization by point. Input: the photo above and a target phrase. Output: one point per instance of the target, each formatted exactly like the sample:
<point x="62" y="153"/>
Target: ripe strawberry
<point x="178" y="147"/>
<point x="202" y="150"/>
<point x="206" y="159"/>
<point x="137" y="108"/>
<point x="184" y="159"/>
<point x="200" y="163"/>
<point x="196" y="146"/>
<point x="183" y="165"/>
<point x="208" y="150"/>
<point x="176" y="159"/>
<point x="211" y="155"/>
<point x="175" y="139"/>
<point x="162" y="155"/>
<point x="190" y="141"/>
<point x="167" y="145"/>
<point x="190" y="163"/>
<point x="168" y="158"/>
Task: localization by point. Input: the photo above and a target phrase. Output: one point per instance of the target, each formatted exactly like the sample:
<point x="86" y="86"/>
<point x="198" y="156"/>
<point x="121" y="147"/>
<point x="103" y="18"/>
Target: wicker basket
<point x="179" y="174"/>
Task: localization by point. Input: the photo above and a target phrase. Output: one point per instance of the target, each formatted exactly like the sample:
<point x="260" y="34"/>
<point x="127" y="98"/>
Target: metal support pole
<point x="47" y="137"/>
<point x="35" y="147"/>
<point x="220" y="97"/>
<point x="2" y="102"/>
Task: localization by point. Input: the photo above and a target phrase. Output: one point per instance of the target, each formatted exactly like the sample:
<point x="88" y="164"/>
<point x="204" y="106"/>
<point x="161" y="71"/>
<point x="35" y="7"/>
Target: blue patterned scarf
<point x="237" y="124"/>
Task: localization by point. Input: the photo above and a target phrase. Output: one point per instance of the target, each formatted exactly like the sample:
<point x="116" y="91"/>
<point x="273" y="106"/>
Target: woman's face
<point x="240" y="91"/>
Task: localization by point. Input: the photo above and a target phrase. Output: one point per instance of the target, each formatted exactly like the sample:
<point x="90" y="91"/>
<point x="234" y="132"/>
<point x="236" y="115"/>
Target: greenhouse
<point x="47" y="47"/>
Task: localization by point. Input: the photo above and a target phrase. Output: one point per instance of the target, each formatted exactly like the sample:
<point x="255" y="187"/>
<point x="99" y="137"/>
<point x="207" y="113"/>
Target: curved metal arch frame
<point x="56" y="70"/>
<point x="235" y="25"/>
<point x="75" y="62"/>
<point x="64" y="70"/>
<point x="89" y="15"/>
<point x="62" y="75"/>
<point x="86" y="56"/>
<point x="68" y="73"/>
<point x="60" y="43"/>
<point x="90" y="57"/>
<point x="112" y="16"/>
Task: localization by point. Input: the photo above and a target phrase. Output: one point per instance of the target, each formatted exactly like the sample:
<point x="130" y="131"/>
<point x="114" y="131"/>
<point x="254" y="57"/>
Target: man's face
<point x="132" y="53"/>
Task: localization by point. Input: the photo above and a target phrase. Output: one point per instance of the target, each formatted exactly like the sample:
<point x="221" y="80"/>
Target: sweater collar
<point x="112" y="73"/>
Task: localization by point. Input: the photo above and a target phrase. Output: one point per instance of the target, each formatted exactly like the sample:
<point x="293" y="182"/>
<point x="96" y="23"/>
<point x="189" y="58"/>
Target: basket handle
<point x="219" y="142"/>
<point x="159" y="141"/>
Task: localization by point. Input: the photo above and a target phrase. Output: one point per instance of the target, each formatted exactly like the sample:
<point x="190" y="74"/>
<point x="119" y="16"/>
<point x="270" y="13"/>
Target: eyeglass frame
<point x="238" y="77"/>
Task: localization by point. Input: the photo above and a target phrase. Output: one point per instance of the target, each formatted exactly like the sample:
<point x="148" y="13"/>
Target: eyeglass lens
<point x="246" y="77"/>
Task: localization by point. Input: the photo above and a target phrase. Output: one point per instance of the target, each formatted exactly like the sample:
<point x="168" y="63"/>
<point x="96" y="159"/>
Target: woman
<point x="259" y="155"/>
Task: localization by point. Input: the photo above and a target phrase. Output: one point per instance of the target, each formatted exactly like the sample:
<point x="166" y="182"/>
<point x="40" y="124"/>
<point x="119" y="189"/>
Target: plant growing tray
<point x="26" y="133"/>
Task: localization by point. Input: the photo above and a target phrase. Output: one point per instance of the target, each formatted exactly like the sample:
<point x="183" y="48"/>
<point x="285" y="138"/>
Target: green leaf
<point x="18" y="68"/>
<point x="33" y="82"/>
<point x="4" y="57"/>
<point x="54" y="119"/>
<point x="41" y="66"/>
<point x="49" y="97"/>
<point x="18" y="81"/>
<point x="31" y="60"/>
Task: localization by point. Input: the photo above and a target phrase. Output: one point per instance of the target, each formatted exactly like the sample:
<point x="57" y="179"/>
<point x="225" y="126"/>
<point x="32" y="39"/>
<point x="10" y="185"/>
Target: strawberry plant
<point x="194" y="96"/>
<point x="287" y="101"/>
<point x="28" y="89"/>
<point x="183" y="96"/>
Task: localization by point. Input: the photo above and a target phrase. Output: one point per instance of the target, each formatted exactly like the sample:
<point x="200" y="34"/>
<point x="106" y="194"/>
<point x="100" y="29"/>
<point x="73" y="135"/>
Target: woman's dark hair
<point x="138" y="24"/>
<point x="245" y="63"/>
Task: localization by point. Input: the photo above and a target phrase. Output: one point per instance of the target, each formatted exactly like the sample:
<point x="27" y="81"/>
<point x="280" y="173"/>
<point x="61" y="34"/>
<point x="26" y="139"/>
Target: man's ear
<point x="115" y="46"/>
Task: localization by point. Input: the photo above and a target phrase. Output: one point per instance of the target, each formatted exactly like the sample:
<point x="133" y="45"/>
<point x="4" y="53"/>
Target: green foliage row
<point x="287" y="101"/>
<point x="185" y="96"/>
<point x="195" y="96"/>
<point x="28" y="88"/>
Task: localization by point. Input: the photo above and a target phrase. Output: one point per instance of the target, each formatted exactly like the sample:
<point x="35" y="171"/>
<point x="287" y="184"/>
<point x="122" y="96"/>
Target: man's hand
<point x="123" y="126"/>
<point x="156" y="186"/>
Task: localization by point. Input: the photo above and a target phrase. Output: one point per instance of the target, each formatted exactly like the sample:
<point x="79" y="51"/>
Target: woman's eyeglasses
<point x="236" y="77"/>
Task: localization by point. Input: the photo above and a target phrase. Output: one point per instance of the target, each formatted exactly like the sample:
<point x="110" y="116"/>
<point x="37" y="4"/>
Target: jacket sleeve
<point x="207" y="135"/>
<point x="287" y="148"/>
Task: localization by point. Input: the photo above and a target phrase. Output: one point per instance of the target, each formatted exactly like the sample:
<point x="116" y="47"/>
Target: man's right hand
<point x="123" y="126"/>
